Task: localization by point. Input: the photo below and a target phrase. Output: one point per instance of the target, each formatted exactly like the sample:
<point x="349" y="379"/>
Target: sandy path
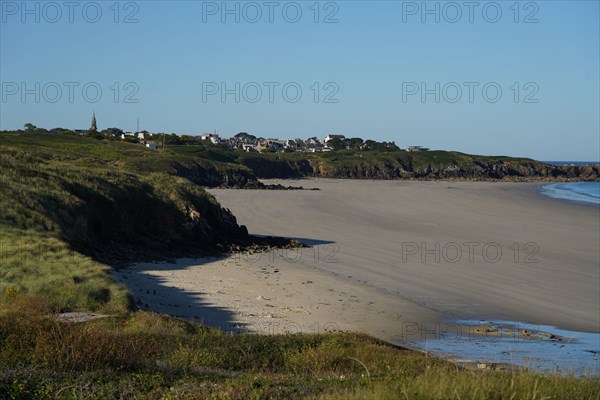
<point x="368" y="268"/>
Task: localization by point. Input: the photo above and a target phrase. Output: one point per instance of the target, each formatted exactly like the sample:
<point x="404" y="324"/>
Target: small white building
<point x="213" y="137"/>
<point x="417" y="148"/>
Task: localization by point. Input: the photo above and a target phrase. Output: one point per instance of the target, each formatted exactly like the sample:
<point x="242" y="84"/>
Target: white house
<point x="213" y="137"/>
<point x="127" y="134"/>
<point x="417" y="148"/>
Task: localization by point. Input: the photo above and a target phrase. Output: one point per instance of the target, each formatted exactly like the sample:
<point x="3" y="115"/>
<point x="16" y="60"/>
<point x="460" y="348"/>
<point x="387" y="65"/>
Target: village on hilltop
<point x="331" y="142"/>
<point x="243" y="141"/>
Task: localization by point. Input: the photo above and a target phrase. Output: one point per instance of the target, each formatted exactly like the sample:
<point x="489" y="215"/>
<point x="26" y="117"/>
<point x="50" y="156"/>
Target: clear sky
<point x="378" y="67"/>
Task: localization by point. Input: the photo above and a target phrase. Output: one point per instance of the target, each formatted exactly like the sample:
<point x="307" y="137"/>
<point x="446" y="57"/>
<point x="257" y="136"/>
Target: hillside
<point x="73" y="207"/>
<point x="118" y="201"/>
<point x="202" y="168"/>
<point x="104" y="210"/>
<point x="214" y="166"/>
<point x="429" y="165"/>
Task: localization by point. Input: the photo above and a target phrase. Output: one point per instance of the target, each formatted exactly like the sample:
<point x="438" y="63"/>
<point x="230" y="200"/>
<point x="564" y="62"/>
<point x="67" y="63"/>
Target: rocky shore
<point x="473" y="170"/>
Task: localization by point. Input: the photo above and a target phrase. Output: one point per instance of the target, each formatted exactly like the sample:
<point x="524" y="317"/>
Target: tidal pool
<point x="539" y="348"/>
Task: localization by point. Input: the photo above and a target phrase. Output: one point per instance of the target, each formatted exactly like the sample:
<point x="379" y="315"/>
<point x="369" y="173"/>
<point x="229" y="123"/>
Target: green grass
<point x="214" y="165"/>
<point x="97" y="207"/>
<point x="122" y="156"/>
<point x="70" y="203"/>
<point x="36" y="263"/>
<point x="66" y="208"/>
<point x="145" y="355"/>
<point x="397" y="165"/>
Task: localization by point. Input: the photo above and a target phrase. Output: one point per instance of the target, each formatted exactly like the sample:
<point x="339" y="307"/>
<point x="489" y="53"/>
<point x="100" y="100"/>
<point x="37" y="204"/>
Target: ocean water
<point x="580" y="192"/>
<point x="565" y="351"/>
<point x="578" y="163"/>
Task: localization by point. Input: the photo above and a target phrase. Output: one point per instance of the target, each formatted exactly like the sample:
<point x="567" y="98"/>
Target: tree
<point x="337" y="144"/>
<point x="29" y="127"/>
<point x="355" y="143"/>
<point x="94" y="134"/>
<point x="390" y="146"/>
<point x="372" y="145"/>
<point x="245" y="136"/>
<point x="61" y="131"/>
<point x="173" y="139"/>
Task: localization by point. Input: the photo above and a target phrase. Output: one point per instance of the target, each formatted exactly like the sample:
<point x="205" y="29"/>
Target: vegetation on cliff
<point x="201" y="166"/>
<point x="103" y="202"/>
<point x="430" y="165"/>
<point x="72" y="207"/>
<point x="211" y="165"/>
<point x="69" y="203"/>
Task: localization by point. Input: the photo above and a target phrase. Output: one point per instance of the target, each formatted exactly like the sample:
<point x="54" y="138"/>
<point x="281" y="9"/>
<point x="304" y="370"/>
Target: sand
<point x="374" y="266"/>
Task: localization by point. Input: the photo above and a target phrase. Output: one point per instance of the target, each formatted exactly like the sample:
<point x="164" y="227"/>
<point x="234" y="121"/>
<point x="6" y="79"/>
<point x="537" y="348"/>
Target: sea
<point x="575" y="192"/>
<point x="547" y="349"/>
<point x="578" y="163"/>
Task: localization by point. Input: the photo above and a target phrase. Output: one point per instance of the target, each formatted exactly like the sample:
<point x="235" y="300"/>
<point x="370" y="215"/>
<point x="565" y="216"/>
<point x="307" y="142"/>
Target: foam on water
<point x="580" y="192"/>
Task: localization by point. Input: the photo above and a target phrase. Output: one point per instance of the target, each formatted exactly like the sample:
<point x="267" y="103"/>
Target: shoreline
<point x="353" y="277"/>
<point x="241" y="297"/>
<point x="594" y="203"/>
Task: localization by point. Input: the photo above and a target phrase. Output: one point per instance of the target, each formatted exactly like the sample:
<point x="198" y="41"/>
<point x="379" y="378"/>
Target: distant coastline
<point x="572" y="163"/>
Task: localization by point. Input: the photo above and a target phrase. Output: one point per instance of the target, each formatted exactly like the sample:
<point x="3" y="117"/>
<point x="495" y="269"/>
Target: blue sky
<point x="369" y="60"/>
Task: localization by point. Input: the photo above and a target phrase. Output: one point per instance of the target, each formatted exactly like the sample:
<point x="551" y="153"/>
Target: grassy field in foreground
<point x="61" y="208"/>
<point x="145" y="355"/>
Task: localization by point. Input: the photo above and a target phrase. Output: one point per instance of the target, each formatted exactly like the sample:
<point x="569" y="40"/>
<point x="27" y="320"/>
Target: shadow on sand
<point x="153" y="293"/>
<point x="306" y="241"/>
<point x="147" y="283"/>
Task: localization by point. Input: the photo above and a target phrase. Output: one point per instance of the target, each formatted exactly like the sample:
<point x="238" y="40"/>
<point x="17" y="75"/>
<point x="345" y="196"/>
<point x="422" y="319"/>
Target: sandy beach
<point x="388" y="254"/>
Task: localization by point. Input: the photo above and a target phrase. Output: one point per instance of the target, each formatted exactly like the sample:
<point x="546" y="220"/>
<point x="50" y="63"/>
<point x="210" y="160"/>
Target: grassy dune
<point x="68" y="202"/>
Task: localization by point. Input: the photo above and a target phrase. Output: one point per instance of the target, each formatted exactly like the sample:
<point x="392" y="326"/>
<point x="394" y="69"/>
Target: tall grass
<point x="38" y="263"/>
<point x="146" y="355"/>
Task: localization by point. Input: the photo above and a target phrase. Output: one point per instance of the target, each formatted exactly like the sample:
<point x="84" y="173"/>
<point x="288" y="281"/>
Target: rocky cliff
<point x="465" y="168"/>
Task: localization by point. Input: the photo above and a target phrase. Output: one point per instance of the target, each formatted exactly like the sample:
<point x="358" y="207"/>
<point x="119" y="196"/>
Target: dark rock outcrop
<point x="267" y="168"/>
<point x="231" y="176"/>
<point x="472" y="169"/>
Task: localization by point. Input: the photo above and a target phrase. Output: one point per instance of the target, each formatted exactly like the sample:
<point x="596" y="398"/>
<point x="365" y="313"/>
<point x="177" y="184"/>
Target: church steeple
<point x="94" y="128"/>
